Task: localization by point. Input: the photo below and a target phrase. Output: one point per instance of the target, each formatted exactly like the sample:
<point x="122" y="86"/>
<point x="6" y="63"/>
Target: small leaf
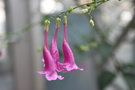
<point x="105" y="78"/>
<point x="93" y="44"/>
<point x="46" y="17"/>
<point x="84" y="47"/>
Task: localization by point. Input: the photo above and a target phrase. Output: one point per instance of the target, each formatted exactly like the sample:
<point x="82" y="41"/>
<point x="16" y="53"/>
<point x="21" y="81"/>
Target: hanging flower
<point x="54" y="49"/>
<point x="49" y="63"/>
<point x="69" y="62"/>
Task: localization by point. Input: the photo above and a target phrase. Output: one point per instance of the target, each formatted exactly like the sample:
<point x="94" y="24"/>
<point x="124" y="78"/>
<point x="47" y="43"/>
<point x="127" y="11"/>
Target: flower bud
<point x="91" y="23"/>
<point x="58" y="20"/>
<point x="85" y="10"/>
<point x="70" y="10"/>
<point x="65" y="19"/>
<point x="47" y="23"/>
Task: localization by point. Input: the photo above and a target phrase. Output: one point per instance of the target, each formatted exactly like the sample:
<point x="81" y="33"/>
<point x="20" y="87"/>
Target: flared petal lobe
<point x="50" y="66"/>
<point x="69" y="62"/>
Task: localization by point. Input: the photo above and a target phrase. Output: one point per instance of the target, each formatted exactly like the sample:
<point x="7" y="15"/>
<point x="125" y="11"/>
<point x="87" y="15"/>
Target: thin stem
<point x="95" y="3"/>
<point x="66" y="12"/>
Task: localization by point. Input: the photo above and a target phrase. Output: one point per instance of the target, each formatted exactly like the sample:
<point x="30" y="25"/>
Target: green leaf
<point x="84" y="47"/>
<point x="128" y="66"/>
<point x="93" y="44"/>
<point x="105" y="78"/>
<point x="130" y="79"/>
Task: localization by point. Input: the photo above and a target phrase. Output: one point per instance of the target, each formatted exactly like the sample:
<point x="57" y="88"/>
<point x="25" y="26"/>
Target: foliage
<point x="105" y="78"/>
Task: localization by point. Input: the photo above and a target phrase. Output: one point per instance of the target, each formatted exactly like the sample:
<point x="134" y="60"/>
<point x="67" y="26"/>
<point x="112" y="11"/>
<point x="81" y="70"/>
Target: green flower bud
<point x="92" y="23"/>
<point x="85" y="10"/>
<point x="65" y="19"/>
<point x="58" y="20"/>
<point x="47" y="23"/>
<point x="70" y="10"/>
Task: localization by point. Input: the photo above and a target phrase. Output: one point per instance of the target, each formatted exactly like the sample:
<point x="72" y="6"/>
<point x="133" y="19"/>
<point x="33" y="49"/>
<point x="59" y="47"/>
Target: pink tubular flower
<point x="54" y="49"/>
<point x="69" y="62"/>
<point x="49" y="64"/>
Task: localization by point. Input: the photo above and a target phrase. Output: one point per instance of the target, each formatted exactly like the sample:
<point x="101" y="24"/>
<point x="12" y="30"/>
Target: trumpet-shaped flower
<point x="54" y="49"/>
<point x="69" y="62"/>
<point x="49" y="63"/>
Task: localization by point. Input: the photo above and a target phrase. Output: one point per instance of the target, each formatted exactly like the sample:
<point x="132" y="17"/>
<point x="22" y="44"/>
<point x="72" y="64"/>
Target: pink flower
<point x="54" y="49"/>
<point x="49" y="63"/>
<point x="69" y="62"/>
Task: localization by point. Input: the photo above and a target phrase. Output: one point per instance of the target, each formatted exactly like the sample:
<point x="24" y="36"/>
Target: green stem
<point x="96" y="4"/>
<point x="82" y="5"/>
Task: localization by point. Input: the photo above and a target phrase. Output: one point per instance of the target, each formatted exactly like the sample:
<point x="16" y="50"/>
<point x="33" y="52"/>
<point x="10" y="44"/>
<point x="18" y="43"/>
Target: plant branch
<point x="10" y="36"/>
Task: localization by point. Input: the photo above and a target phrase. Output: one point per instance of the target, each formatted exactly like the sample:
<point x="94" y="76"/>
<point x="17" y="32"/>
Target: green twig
<point x="66" y="12"/>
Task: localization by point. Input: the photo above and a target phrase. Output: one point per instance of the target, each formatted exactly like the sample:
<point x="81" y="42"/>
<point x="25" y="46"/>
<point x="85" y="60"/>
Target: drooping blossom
<point x="49" y="63"/>
<point x="69" y="62"/>
<point x="54" y="49"/>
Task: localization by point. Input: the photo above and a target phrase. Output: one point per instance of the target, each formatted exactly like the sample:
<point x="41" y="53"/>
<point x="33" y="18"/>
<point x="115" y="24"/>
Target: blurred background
<point x="107" y="51"/>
